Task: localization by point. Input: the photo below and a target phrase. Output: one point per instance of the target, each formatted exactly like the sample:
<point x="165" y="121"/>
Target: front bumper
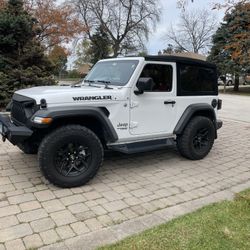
<point x="219" y="124"/>
<point x="15" y="134"/>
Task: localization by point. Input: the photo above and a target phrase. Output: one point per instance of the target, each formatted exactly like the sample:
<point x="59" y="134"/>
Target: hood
<point x="68" y="94"/>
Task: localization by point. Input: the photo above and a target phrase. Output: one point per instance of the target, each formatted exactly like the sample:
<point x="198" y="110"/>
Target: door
<point x="154" y="111"/>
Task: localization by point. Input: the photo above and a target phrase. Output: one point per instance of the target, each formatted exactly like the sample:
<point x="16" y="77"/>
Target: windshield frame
<point x="136" y="62"/>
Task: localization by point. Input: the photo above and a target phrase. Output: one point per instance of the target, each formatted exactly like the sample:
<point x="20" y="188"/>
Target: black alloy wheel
<point x="201" y="139"/>
<point x="70" y="156"/>
<point x="197" y="139"/>
<point x="72" y="159"/>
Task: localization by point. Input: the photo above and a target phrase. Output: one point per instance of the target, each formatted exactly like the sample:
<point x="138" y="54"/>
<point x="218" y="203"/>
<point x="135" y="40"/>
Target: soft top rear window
<point x="197" y="80"/>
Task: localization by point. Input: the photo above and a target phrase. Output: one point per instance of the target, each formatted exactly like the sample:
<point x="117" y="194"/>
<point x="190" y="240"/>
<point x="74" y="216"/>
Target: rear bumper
<point x="219" y="124"/>
<point x="15" y="134"/>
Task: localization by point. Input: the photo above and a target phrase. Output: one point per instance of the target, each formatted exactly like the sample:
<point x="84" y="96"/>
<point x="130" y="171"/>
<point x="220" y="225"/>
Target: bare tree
<point x="127" y="22"/>
<point x="193" y="32"/>
<point x="229" y="4"/>
<point x="182" y="3"/>
<point x="226" y="4"/>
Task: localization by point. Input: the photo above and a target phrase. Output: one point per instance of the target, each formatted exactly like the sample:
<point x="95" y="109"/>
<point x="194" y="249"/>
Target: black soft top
<point x="180" y="59"/>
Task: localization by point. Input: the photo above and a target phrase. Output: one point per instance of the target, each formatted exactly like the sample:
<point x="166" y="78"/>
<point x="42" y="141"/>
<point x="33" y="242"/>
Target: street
<point x="235" y="107"/>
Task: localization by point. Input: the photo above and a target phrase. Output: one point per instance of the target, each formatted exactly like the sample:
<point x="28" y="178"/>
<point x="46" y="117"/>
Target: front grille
<point x="22" y="109"/>
<point x="17" y="112"/>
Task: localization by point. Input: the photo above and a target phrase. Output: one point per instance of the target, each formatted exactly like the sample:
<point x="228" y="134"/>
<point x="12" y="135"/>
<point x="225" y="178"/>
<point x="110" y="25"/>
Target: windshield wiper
<point x="106" y="83"/>
<point x="91" y="81"/>
<point x="76" y="84"/>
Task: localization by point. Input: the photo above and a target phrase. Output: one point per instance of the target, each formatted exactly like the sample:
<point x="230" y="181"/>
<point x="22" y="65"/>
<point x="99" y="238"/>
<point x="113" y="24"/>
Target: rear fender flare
<point x="192" y="110"/>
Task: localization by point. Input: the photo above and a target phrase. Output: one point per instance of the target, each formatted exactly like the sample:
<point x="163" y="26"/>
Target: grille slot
<point x="17" y="112"/>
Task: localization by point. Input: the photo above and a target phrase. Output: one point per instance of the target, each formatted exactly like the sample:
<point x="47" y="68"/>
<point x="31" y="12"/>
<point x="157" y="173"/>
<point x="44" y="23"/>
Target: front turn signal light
<point x="42" y="120"/>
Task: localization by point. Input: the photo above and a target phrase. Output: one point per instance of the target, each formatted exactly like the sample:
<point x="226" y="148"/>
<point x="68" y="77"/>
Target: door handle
<point x="170" y="102"/>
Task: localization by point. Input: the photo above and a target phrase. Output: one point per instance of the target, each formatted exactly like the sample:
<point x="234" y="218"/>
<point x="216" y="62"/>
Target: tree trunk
<point x="116" y="48"/>
<point x="236" y="82"/>
<point x="224" y="80"/>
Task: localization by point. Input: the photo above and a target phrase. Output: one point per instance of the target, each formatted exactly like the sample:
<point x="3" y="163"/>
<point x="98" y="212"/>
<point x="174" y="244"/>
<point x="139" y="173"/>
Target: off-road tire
<point x="28" y="148"/>
<point x="52" y="142"/>
<point x="185" y="141"/>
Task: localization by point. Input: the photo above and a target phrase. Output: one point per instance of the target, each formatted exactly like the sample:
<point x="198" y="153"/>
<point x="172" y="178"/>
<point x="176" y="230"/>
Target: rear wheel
<point x="197" y="138"/>
<point x="70" y="156"/>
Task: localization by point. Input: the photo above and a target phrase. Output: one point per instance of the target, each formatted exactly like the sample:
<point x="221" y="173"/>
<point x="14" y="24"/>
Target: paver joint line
<point x="129" y="194"/>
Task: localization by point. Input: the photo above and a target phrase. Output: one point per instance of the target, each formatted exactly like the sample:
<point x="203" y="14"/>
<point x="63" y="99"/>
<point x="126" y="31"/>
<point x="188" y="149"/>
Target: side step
<point x="137" y="147"/>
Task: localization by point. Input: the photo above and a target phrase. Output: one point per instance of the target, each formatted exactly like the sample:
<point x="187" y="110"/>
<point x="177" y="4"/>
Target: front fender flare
<point x="68" y="112"/>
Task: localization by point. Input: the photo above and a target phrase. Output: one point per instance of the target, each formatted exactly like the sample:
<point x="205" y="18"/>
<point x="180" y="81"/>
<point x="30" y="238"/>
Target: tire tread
<point x="57" y="134"/>
<point x="183" y="141"/>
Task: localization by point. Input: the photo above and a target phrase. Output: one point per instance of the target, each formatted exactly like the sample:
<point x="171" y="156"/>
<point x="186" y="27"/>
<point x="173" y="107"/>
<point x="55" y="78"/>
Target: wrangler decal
<point x="92" y="98"/>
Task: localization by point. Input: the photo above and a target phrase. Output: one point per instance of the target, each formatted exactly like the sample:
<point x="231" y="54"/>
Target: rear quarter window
<point x="197" y="80"/>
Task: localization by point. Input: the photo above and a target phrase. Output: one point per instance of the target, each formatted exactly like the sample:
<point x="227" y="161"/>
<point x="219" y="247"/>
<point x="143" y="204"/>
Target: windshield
<point x="112" y="72"/>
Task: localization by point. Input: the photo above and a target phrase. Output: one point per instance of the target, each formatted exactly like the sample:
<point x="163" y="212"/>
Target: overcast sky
<point x="170" y="13"/>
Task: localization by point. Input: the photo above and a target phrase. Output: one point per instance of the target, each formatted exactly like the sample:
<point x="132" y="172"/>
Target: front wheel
<point x="197" y="138"/>
<point x="70" y="156"/>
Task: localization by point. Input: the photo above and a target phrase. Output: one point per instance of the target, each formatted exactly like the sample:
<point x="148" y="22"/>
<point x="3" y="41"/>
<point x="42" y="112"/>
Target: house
<point x="191" y="55"/>
<point x="84" y="69"/>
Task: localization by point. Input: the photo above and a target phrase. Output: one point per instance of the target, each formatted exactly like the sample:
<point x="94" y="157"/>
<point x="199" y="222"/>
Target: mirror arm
<point x="138" y="92"/>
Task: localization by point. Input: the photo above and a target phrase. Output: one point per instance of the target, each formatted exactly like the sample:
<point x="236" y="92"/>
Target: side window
<point x="196" y="80"/>
<point x="162" y="76"/>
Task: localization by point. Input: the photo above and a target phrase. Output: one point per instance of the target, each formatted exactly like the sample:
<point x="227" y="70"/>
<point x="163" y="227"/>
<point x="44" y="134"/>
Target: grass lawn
<point x="243" y="90"/>
<point x="220" y="226"/>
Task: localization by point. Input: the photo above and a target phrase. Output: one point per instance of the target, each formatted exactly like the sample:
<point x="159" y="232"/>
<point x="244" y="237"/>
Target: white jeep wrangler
<point x="128" y="105"/>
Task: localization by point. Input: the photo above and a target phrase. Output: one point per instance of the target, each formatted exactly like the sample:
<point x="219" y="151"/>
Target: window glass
<point x="197" y="79"/>
<point x="117" y="72"/>
<point x="162" y="76"/>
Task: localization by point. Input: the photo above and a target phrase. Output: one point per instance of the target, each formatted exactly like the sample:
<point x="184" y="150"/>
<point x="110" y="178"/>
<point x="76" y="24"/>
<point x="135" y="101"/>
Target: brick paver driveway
<point x="129" y="194"/>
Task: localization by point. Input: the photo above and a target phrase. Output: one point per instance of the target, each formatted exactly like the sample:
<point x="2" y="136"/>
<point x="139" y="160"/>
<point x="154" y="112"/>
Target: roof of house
<point x="179" y="59"/>
<point x="84" y="69"/>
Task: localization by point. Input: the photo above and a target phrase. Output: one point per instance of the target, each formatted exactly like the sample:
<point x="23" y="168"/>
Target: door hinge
<point x="134" y="104"/>
<point x="133" y="125"/>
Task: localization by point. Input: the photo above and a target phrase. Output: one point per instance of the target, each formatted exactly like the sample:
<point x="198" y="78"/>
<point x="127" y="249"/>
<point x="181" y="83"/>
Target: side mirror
<point x="144" y="84"/>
